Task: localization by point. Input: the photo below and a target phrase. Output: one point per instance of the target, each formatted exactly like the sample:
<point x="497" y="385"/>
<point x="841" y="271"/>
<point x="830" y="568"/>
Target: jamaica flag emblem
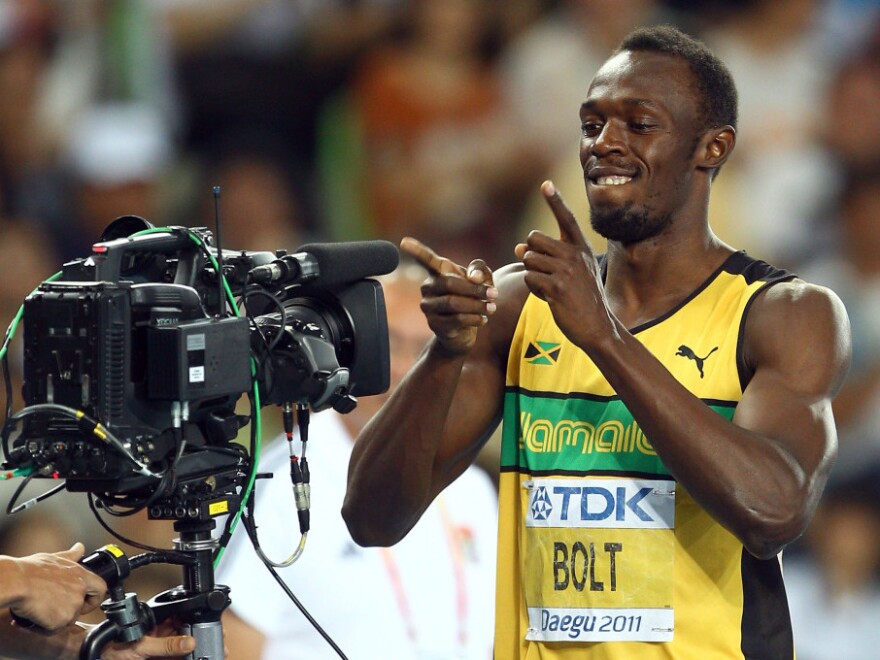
<point x="542" y="352"/>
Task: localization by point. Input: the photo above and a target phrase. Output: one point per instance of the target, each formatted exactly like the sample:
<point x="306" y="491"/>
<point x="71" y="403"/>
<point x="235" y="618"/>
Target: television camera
<point x="135" y="358"/>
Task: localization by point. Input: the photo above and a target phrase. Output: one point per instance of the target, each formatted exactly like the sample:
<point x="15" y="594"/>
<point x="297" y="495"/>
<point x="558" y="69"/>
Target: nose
<point x="610" y="139"/>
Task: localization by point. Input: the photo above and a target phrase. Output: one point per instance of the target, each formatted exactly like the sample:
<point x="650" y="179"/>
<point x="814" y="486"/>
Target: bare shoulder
<point x="802" y="330"/>
<point x="511" y="284"/>
<point x="795" y="302"/>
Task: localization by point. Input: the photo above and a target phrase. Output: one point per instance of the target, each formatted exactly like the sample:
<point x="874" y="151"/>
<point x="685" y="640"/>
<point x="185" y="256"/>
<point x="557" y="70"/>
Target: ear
<point x="715" y="147"/>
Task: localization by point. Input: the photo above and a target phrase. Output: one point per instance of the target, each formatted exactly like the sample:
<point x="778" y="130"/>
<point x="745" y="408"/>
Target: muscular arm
<point x="435" y="422"/>
<point x="760" y="475"/>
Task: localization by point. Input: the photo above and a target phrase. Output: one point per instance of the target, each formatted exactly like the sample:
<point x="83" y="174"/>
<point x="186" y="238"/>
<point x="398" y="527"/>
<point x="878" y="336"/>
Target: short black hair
<point x="714" y="82"/>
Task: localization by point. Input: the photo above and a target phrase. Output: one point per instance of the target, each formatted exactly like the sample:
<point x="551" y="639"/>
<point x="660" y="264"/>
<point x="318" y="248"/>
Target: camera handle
<point x="197" y="604"/>
<point x="109" y="256"/>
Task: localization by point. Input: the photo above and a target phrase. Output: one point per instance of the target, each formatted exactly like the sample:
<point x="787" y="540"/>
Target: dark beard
<point x="627" y="225"/>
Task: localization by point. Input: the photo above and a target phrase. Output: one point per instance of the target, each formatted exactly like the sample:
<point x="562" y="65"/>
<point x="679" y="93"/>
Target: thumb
<point x="479" y="272"/>
<point x="75" y="553"/>
<point x="180" y="645"/>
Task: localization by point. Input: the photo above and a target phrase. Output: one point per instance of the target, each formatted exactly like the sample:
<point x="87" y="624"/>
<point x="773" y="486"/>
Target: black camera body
<point x="137" y="339"/>
<point x="121" y="352"/>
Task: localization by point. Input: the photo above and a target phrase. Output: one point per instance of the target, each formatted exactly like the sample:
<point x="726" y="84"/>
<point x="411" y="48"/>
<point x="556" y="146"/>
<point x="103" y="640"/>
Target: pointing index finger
<point x="430" y="259"/>
<point x="569" y="229"/>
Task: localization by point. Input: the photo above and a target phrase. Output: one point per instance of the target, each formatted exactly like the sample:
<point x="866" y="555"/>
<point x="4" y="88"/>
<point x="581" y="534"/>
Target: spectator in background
<point x="850" y="147"/>
<point x="26" y="34"/>
<point x="833" y="587"/>
<point x="853" y="103"/>
<point x="268" y="65"/>
<point x="116" y="158"/>
<point x="431" y="596"/>
<point x="240" y="64"/>
<point x="57" y="60"/>
<point x="434" y="156"/>
<point x="778" y="178"/>
<point x="263" y="205"/>
<point x="103" y="51"/>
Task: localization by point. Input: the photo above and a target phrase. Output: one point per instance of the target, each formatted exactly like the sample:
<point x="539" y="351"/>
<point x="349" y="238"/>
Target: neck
<point x="647" y="279"/>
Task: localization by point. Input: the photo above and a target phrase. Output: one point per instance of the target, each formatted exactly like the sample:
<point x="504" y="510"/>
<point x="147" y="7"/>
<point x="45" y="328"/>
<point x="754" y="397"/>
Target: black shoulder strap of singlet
<point x="752" y="270"/>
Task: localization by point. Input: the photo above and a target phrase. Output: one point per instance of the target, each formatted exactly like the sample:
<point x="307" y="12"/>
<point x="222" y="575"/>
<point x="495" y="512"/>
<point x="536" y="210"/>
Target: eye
<point x="641" y="125"/>
<point x="590" y="128"/>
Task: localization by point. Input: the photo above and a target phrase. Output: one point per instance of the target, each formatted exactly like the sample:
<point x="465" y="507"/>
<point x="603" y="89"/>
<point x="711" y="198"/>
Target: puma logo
<point x="685" y="351"/>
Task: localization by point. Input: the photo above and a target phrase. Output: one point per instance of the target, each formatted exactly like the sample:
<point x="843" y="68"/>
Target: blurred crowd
<point x="355" y="119"/>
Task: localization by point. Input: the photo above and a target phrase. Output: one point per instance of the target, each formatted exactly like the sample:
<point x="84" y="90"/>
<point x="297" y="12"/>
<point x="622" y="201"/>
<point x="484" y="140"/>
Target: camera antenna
<point x="220" y="298"/>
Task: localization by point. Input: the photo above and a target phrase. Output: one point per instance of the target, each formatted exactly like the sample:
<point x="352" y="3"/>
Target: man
<point x="667" y="408"/>
<point x="51" y="590"/>
<point x="431" y="596"/>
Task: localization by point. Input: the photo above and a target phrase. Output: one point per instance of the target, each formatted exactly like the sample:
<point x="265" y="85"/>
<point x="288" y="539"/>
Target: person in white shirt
<point x="431" y="596"/>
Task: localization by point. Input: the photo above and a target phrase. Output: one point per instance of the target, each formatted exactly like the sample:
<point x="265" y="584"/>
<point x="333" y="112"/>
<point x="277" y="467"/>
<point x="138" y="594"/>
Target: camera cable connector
<point x="88" y="426"/>
<point x="179" y="416"/>
<point x="299" y="467"/>
<point x="179" y="413"/>
<point x="299" y="477"/>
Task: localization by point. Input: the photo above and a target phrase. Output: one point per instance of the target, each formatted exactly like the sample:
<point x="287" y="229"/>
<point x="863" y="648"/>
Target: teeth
<point x="615" y="180"/>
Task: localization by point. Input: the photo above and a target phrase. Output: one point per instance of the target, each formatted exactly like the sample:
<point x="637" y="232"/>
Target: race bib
<point x="599" y="559"/>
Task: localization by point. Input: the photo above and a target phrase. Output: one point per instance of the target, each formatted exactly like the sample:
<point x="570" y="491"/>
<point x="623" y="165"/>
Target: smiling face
<point x="639" y="136"/>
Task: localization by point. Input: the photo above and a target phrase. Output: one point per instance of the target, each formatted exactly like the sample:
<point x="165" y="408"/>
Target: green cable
<point x="18" y="472"/>
<point x="257" y="417"/>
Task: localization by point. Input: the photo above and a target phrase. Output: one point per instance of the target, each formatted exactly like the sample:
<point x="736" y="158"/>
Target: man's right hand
<point x="457" y="301"/>
<point x="66" y="644"/>
<point x="51" y="589"/>
<point x="162" y="642"/>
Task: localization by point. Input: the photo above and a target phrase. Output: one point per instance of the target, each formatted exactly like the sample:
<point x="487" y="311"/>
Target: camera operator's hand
<point x="65" y="644"/>
<point x="162" y="642"/>
<point x="49" y="589"/>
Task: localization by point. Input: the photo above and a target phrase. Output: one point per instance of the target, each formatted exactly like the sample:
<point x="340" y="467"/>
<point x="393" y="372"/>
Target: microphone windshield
<point x="341" y="263"/>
